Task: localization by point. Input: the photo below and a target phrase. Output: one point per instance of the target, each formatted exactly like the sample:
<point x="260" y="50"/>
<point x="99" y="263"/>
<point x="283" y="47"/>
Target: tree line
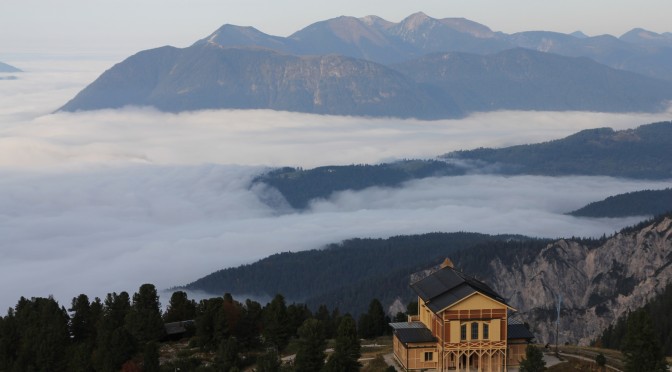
<point x="123" y="332"/>
<point x="633" y="153"/>
<point x="300" y="186"/>
<point x="349" y="274"/>
<point x="637" y="203"/>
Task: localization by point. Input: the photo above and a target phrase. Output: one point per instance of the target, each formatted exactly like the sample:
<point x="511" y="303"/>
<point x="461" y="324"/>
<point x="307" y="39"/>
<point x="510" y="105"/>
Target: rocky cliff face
<point x="597" y="284"/>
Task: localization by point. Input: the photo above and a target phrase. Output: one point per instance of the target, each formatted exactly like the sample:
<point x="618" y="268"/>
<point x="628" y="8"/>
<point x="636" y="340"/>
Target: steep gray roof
<point x="447" y="286"/>
<point x="414" y="335"/>
<point x="517" y="331"/>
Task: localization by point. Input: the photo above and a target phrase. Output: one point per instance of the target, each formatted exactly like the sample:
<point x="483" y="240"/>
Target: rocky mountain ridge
<point x="376" y="39"/>
<point x="597" y="284"/>
<point x="213" y="77"/>
<point x="421" y="67"/>
<point x="210" y="76"/>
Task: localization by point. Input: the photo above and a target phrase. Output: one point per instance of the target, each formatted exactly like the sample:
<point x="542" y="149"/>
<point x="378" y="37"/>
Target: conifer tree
<point x="324" y="316"/>
<point x="114" y="344"/>
<point x="269" y="361"/>
<point x="347" y="349"/>
<point x="311" y="345"/>
<point x="276" y="323"/>
<point x="150" y="358"/>
<point x="533" y="361"/>
<point x="180" y="308"/>
<point x="365" y="326"/>
<point x="144" y="320"/>
<point x="210" y="323"/>
<point x="378" y="321"/>
<point x="227" y="355"/>
<point x="642" y="350"/>
<point x="43" y="335"/>
<point x="249" y="327"/>
<point x="9" y="340"/>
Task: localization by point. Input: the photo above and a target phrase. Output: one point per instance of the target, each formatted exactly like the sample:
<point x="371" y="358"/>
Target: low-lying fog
<point x="105" y="201"/>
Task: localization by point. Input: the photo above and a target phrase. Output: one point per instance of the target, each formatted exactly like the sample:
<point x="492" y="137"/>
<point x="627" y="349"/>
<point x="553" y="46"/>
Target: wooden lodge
<point x="462" y="325"/>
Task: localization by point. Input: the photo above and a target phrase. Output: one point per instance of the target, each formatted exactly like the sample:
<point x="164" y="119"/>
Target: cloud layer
<point x="105" y="201"/>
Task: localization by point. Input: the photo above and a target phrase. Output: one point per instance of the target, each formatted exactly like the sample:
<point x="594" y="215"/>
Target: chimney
<point x="447" y="263"/>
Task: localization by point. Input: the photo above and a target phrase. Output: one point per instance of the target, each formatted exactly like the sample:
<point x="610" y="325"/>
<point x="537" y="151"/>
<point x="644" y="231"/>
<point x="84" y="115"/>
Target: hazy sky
<point x="90" y="202"/>
<point x="123" y="27"/>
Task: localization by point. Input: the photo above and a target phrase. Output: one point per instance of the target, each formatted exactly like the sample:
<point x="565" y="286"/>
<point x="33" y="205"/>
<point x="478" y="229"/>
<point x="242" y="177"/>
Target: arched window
<point x="474" y="331"/>
<point x="486" y="331"/>
<point x="463" y="332"/>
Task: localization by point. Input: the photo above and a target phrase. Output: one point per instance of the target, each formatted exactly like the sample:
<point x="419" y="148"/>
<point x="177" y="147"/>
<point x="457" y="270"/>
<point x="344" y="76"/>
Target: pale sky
<point x="123" y="27"/>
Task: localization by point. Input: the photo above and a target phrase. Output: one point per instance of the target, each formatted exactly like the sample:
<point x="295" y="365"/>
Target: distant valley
<point x="419" y="68"/>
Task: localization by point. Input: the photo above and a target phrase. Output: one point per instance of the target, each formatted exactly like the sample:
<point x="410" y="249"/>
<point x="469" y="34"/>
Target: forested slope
<point x="638" y="203"/>
<point x="300" y="186"/>
<point x="641" y="153"/>
<point x="659" y="309"/>
<point x="350" y="273"/>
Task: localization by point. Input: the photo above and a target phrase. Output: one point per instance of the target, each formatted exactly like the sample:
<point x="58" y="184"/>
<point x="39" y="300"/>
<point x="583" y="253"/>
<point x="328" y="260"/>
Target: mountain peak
<point x="642" y="36"/>
<point x="414" y="21"/>
<point x="468" y="27"/>
<point x="376" y="22"/>
<point x="243" y="36"/>
<point x="579" y="35"/>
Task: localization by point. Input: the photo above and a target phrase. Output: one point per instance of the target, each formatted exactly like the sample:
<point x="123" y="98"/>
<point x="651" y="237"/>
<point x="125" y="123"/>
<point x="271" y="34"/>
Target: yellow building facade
<point x="462" y="325"/>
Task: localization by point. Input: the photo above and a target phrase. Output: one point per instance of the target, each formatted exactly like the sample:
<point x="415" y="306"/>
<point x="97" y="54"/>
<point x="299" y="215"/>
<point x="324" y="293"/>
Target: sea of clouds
<point x="104" y="201"/>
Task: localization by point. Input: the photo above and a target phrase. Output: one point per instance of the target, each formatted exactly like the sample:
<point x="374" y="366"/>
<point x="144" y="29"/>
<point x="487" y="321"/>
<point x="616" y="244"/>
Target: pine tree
<point x="324" y="316"/>
<point x="227" y="355"/>
<point x="114" y="344"/>
<point x="297" y="314"/>
<point x="150" y="358"/>
<point x="43" y="335"/>
<point x="533" y="361"/>
<point x="82" y="327"/>
<point x="347" y="349"/>
<point x="276" y="323"/>
<point x="211" y="328"/>
<point x="180" y="308"/>
<point x="311" y="345"/>
<point x="601" y="361"/>
<point x="365" y="327"/>
<point x="9" y="340"/>
<point x="269" y="361"/>
<point x="144" y="320"/>
<point x="642" y="350"/>
<point x="249" y="328"/>
<point x="378" y="321"/>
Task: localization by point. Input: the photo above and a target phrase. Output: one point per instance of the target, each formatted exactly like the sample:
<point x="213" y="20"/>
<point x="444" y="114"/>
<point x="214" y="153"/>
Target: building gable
<point x="476" y="300"/>
<point x="448" y="286"/>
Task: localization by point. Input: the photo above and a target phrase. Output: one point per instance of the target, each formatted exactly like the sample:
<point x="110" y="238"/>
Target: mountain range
<point x="420" y="67"/>
<point x="8" y="68"/>
<point x="376" y="39"/>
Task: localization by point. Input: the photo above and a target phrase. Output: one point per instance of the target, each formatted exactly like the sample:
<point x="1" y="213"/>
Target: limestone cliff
<point x="597" y="283"/>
